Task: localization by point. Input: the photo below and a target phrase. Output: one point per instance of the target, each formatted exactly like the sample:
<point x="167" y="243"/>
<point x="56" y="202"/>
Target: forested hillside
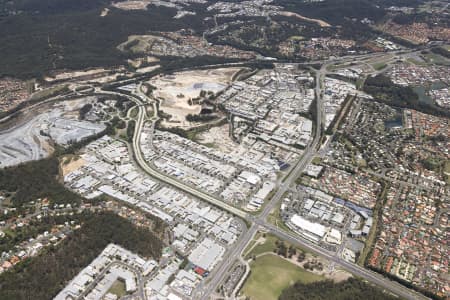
<point x="36" y="179"/>
<point x="42" y="277"/>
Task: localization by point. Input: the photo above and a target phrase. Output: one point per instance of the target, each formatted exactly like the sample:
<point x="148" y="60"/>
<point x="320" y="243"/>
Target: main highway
<point x="260" y="222"/>
<point x="218" y="275"/>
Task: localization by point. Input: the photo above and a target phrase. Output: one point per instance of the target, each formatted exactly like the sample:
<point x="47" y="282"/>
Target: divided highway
<point x="355" y="269"/>
<point x="218" y="275"/>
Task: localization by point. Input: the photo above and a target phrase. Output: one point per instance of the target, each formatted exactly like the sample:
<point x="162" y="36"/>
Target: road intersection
<point x="256" y="223"/>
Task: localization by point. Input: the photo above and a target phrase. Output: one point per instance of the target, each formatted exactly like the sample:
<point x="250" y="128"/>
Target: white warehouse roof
<point x="305" y="225"/>
<point x="206" y="254"/>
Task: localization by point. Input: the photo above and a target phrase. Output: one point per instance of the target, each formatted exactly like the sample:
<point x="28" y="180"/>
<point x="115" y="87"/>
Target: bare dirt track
<point x="321" y="23"/>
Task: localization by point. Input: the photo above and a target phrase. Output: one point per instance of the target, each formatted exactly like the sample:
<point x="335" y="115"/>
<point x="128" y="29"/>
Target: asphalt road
<point x="221" y="271"/>
<point x="218" y="275"/>
<point x="356" y="270"/>
<point x="309" y="152"/>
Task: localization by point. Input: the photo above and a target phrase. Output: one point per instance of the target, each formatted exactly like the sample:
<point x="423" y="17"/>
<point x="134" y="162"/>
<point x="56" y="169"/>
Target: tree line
<point x="352" y="288"/>
<point x="384" y="90"/>
<point x="42" y="277"/>
<point x="36" y="179"/>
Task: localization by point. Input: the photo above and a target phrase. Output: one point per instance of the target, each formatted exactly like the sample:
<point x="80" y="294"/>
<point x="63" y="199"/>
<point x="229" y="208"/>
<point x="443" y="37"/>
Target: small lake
<point x="395" y="122"/>
<point x="421" y="91"/>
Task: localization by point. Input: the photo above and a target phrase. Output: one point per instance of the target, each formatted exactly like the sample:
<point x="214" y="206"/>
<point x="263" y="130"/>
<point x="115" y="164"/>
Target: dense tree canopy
<point x="324" y="290"/>
<point x="42" y="277"/>
<point x="384" y="90"/>
<point x="36" y="179"/>
<point x="33" y="44"/>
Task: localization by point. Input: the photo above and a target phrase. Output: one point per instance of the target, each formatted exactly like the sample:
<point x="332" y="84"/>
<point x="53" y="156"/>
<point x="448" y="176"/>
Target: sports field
<point x="271" y="274"/>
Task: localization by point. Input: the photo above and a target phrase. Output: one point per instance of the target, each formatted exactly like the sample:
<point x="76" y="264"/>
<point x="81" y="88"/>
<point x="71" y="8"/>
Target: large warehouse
<point x="310" y="230"/>
<point x="207" y="254"/>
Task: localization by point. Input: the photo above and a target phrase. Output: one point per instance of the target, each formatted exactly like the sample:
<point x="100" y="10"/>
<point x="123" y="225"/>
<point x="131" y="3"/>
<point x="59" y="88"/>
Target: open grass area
<point x="118" y="288"/>
<point x="360" y="83"/>
<point x="271" y="274"/>
<point x="255" y="248"/>
<point x="267" y="246"/>
<point x="436" y="59"/>
<point x="9" y="232"/>
<point x="134" y="112"/>
<point x="416" y="62"/>
<point x="447" y="171"/>
<point x="297" y="38"/>
<point x="379" y="66"/>
<point x="275" y="218"/>
<point x="447" y="166"/>
<point x="50" y="92"/>
<point x="249" y="246"/>
<point x="317" y="160"/>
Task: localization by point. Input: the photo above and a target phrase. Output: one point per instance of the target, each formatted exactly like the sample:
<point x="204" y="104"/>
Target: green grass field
<point x="267" y="246"/>
<point x="317" y="160"/>
<point x="118" y="288"/>
<point x="50" y="92"/>
<point x="416" y="62"/>
<point x="447" y="166"/>
<point x="134" y="112"/>
<point x="9" y="232"/>
<point x="275" y="218"/>
<point x="436" y="59"/>
<point x="271" y="274"/>
<point x="447" y="171"/>
<point x="379" y="66"/>
<point x="297" y="38"/>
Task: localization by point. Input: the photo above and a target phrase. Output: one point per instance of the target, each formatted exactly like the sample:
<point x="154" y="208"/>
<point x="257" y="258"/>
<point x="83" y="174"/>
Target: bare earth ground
<point x="137" y="62"/>
<point x="68" y="75"/>
<point x="219" y="137"/>
<point x="132" y="5"/>
<point x="71" y="163"/>
<point x="140" y="47"/>
<point x="147" y="69"/>
<point x="176" y="89"/>
<point x="104" y="12"/>
<point x="317" y="21"/>
<point x="31" y="136"/>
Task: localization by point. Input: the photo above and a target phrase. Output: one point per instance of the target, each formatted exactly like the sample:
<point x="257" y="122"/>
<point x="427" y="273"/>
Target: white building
<point x="310" y="230"/>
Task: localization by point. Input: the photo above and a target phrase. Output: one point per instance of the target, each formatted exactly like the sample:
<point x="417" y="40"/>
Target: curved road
<point x="220" y="272"/>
